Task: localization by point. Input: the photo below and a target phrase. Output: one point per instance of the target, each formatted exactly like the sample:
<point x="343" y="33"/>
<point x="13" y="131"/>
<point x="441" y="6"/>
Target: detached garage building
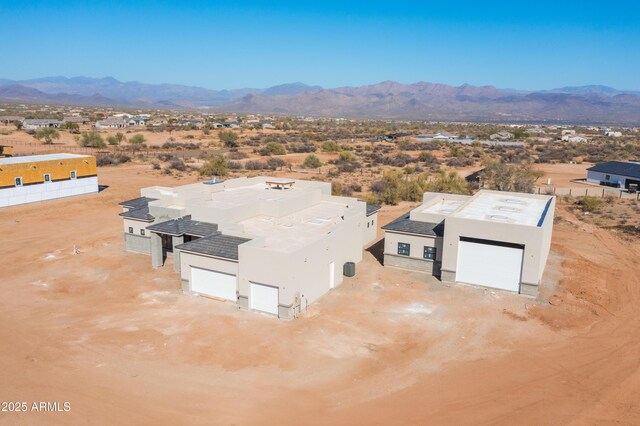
<point x="269" y="245"/>
<point x="34" y="178"/>
<point x="492" y="239"/>
<point x="619" y="174"/>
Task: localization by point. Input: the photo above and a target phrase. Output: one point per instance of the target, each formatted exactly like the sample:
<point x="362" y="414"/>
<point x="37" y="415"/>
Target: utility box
<point x="349" y="269"/>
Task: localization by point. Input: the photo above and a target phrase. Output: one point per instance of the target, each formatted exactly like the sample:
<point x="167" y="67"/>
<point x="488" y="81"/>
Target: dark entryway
<point x="167" y="243"/>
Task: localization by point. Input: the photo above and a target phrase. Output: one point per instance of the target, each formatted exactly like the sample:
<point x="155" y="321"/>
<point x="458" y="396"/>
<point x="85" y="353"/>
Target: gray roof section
<point x="136" y="203"/>
<point x="141" y="213"/>
<point x="184" y="225"/>
<point x="217" y="245"/>
<point x="371" y="209"/>
<point x="404" y="224"/>
<point x="620" y="168"/>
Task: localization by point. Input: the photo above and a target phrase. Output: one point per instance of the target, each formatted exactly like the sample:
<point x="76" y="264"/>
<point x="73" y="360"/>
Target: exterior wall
<point x="137" y="243"/>
<point x="137" y="226"/>
<point x="47" y="191"/>
<point x="302" y="276"/>
<point x="370" y="227"/>
<point x="60" y="170"/>
<point x="597" y="177"/>
<point x="415" y="260"/>
<point x="187" y="260"/>
<point x="536" y="241"/>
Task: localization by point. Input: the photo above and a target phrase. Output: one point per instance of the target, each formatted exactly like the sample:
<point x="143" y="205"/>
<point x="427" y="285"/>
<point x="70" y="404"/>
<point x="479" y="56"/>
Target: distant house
<point x="615" y="173"/>
<point x="230" y="124"/>
<point x="575" y="139"/>
<point x="268" y="126"/>
<point x="197" y="123"/>
<point x="392" y="137"/>
<point x="443" y="136"/>
<point x="502" y="136"/>
<point x="76" y="119"/>
<point x="217" y="125"/>
<point x="158" y="122"/>
<point x="8" y="119"/>
<point x="34" y="124"/>
<point x="612" y="134"/>
<point x="137" y="121"/>
<point x="568" y="132"/>
<point x="111" y="123"/>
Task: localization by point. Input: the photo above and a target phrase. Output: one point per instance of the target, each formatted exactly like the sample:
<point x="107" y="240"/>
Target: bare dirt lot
<point x="116" y="339"/>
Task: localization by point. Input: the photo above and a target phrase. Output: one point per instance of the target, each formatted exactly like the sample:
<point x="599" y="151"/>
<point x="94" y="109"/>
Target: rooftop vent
<point x="213" y="181"/>
<point x="508" y="209"/>
<point x="499" y="217"/>
<point x="514" y="201"/>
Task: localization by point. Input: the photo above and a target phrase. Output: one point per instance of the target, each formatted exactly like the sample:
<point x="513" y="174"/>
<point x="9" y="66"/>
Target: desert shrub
<point x="216" y="165"/>
<point x="336" y="188"/>
<point x="311" y="162"/>
<point x="92" y="139"/>
<point x="155" y="165"/>
<point x="111" y="159"/>
<point x="177" y="164"/>
<point x="301" y="148"/>
<point x="275" y="148"/>
<point x="275" y="163"/>
<point x="236" y="155"/>
<point x="590" y="203"/>
<point x="137" y="139"/>
<point x="234" y="165"/>
<point x="330" y="146"/>
<point x="255" y="165"/>
<point x="228" y="138"/>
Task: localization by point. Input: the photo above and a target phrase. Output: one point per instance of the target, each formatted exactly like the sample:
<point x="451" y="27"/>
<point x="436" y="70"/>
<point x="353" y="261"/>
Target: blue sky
<point x="515" y="44"/>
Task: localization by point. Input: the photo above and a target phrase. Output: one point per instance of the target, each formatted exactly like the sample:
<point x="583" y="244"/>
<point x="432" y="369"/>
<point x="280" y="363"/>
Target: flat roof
<point x="444" y="207"/>
<point x="38" y="158"/>
<point x="234" y="197"/>
<point x="505" y="207"/>
<point x="294" y="231"/>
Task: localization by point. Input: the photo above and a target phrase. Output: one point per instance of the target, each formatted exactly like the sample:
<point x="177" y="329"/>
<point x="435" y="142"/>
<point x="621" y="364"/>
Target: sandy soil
<point x="563" y="175"/>
<point x="104" y="331"/>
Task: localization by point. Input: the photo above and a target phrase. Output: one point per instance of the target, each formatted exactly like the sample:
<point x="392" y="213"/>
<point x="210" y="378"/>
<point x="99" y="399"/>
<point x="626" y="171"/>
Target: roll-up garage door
<point x="213" y="283"/>
<point x="264" y="298"/>
<point x="490" y="264"/>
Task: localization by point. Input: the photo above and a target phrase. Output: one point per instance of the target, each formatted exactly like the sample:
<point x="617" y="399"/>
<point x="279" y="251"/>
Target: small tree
<point x="336" y="188"/>
<point x="448" y="182"/>
<point x="112" y="140"/>
<point x="47" y="135"/>
<point x="215" y="166"/>
<point x="92" y="139"/>
<point x="71" y="127"/>
<point x="228" y="138"/>
<point x="137" y="139"/>
<point x="330" y="146"/>
<point x="312" y="162"/>
<point x="120" y="137"/>
<point x="275" y="148"/>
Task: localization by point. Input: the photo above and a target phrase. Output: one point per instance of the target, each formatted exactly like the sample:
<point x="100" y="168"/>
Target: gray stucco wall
<point x="415" y="260"/>
<point x="598" y="177"/>
<point x="406" y="262"/>
<point x="137" y="243"/>
<point x="370" y="227"/>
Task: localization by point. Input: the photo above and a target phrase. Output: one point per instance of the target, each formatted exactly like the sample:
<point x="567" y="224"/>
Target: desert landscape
<point x="119" y="342"/>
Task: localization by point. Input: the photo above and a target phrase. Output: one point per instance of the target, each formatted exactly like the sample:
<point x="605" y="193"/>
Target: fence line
<point x="592" y="191"/>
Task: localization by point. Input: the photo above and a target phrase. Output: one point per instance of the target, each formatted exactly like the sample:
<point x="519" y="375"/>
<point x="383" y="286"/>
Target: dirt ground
<point x="116" y="339"/>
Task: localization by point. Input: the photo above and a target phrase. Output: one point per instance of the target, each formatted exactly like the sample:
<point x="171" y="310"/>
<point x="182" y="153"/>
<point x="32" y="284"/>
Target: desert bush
<point x="590" y="203"/>
<point x="276" y="163"/>
<point x="111" y="159"/>
<point x="137" y="140"/>
<point x="234" y="165"/>
<point x="92" y="139"/>
<point x="216" y="165"/>
<point x="330" y="146"/>
<point x="336" y="188"/>
<point x="228" y="138"/>
<point x="255" y="165"/>
<point x="275" y="148"/>
<point x="312" y="162"/>
<point x="176" y="164"/>
<point x="237" y="155"/>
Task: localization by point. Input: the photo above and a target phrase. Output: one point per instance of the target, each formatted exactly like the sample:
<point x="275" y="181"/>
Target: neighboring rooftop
<point x="405" y="224"/>
<point x="618" y="168"/>
<point x="37" y="158"/>
<point x="184" y="225"/>
<point x="507" y="207"/>
<point x="217" y="245"/>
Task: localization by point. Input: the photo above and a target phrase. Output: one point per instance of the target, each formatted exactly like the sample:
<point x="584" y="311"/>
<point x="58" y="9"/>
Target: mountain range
<point x="385" y="100"/>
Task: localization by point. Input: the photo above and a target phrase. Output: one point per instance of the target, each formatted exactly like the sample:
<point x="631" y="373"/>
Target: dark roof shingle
<point x="404" y="224"/>
<point x="136" y="203"/>
<point x="141" y="213"/>
<point x="371" y="209"/>
<point x="618" y="168"/>
<point x="184" y="225"/>
<point x="218" y="245"/>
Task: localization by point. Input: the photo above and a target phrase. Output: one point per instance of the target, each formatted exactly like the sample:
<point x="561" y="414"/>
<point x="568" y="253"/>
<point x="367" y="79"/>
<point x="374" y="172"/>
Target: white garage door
<point x="264" y="298"/>
<point x="489" y="265"/>
<point x="213" y="283"/>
